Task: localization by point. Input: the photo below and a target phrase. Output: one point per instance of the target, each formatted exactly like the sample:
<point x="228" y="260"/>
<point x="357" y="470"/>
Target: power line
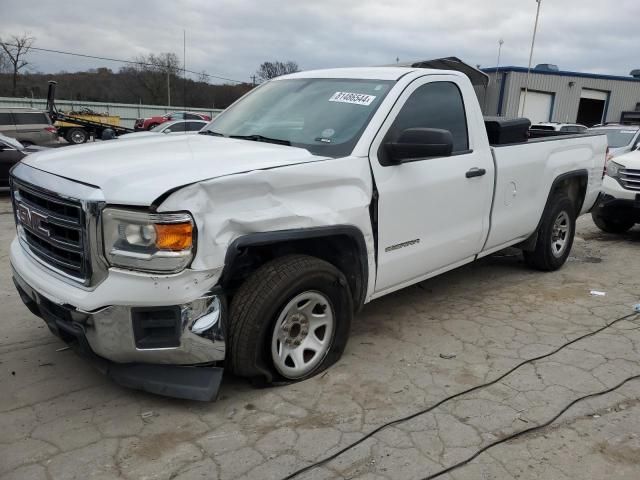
<point x="465" y="392"/>
<point x="120" y="60"/>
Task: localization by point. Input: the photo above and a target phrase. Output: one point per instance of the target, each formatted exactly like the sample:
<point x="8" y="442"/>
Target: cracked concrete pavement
<point x="60" y="419"/>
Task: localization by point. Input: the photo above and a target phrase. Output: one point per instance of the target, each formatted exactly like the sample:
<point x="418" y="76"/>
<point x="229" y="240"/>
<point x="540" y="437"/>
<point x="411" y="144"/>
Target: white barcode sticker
<point x="355" y="98"/>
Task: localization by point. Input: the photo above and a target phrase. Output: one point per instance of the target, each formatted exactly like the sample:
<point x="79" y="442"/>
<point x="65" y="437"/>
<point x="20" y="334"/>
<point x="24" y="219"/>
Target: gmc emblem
<point x="32" y="219"/>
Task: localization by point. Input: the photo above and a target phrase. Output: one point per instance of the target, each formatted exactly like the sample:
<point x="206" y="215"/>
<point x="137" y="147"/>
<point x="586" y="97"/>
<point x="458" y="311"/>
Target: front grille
<point x="53" y="229"/>
<point x="630" y="179"/>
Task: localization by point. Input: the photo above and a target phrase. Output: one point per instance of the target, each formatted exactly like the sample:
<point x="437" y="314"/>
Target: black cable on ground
<point x="529" y="430"/>
<point x="452" y="397"/>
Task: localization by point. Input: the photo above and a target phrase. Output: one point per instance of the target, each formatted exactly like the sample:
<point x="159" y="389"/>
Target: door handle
<point x="475" y="172"/>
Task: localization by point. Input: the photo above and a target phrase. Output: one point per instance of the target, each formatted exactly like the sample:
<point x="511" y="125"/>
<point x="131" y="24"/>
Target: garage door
<point x="538" y="107"/>
<point x="594" y="94"/>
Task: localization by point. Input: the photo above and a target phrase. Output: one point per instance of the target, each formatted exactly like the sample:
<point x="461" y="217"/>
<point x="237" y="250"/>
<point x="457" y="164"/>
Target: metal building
<point x="559" y="96"/>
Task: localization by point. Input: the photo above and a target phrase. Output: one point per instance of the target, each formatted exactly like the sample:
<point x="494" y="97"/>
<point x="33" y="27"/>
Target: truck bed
<point x="523" y="181"/>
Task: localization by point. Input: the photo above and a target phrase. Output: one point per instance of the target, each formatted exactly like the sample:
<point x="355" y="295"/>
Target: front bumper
<point x="185" y="355"/>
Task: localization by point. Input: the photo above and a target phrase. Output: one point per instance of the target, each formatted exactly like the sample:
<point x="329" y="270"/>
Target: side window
<point x="6" y="119"/>
<point x="194" y="126"/>
<point x="177" y="127"/>
<point x="434" y="105"/>
<point x="191" y="116"/>
<point x="30" y="118"/>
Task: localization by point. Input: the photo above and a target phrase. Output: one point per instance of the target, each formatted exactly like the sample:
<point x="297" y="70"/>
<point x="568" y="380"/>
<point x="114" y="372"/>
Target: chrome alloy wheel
<point x="560" y="234"/>
<point x="302" y="334"/>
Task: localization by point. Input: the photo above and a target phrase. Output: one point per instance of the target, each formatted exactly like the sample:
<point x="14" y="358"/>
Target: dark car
<point x="11" y="152"/>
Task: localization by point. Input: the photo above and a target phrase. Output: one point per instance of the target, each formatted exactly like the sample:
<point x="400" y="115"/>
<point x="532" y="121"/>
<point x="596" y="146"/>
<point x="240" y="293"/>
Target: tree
<point x="269" y="70"/>
<point x="152" y="76"/>
<point x="15" y="49"/>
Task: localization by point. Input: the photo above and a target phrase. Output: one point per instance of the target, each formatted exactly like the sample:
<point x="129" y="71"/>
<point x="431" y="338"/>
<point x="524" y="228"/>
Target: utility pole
<point x="184" y="68"/>
<point x="533" y="41"/>
<point x="253" y="79"/>
<point x="168" y="85"/>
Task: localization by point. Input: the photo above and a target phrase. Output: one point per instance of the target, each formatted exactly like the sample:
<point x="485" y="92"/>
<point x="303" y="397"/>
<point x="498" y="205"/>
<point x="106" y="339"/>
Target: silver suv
<point x="28" y="126"/>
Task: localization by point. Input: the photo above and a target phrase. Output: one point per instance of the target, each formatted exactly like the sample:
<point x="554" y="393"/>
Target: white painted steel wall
<point x="128" y="112"/>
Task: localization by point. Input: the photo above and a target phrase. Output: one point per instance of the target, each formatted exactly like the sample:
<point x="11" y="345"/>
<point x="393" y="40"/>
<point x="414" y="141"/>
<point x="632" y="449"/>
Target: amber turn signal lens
<point x="174" y="236"/>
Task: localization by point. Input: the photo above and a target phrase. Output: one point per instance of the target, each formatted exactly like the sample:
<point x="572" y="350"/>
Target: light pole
<point x="533" y="41"/>
<point x="500" y="43"/>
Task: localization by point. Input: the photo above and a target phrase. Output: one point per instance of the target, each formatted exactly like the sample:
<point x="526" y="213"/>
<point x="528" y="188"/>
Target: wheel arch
<point x="343" y="246"/>
<point x="574" y="183"/>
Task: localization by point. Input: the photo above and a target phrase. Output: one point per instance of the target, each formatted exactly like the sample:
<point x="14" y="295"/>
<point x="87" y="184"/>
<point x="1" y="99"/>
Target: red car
<point x="149" y="123"/>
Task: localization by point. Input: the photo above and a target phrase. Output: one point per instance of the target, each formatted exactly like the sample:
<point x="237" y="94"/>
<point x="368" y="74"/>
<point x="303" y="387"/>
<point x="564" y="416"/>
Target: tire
<point x="153" y="125"/>
<point x="272" y="299"/>
<point x="555" y="235"/>
<point x="27" y="143"/>
<point x="610" y="225"/>
<point x="76" y="136"/>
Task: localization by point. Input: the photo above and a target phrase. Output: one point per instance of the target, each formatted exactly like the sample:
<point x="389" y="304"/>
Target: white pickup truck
<point x="251" y="245"/>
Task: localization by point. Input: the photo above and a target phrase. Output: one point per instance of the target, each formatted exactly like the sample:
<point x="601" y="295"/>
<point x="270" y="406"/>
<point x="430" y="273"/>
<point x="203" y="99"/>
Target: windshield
<point x="324" y="115"/>
<point x="617" y="137"/>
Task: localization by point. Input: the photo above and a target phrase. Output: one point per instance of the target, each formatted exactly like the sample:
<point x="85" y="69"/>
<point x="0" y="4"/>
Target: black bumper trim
<point x="618" y="208"/>
<point x="200" y="383"/>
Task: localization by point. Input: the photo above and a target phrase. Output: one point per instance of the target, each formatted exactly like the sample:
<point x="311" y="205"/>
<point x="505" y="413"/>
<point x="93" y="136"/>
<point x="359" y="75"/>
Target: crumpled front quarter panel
<point x="315" y="194"/>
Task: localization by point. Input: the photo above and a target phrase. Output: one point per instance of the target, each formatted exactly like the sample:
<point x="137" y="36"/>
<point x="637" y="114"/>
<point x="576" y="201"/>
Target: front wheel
<point x="76" y="136"/>
<point x="290" y="320"/>
<point x="609" y="225"/>
<point x="555" y="235"/>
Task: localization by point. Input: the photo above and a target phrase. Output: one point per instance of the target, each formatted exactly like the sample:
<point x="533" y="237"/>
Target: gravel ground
<point x="60" y="419"/>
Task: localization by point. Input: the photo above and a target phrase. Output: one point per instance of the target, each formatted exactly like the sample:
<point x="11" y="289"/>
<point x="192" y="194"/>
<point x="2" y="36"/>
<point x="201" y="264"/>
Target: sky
<point x="231" y="38"/>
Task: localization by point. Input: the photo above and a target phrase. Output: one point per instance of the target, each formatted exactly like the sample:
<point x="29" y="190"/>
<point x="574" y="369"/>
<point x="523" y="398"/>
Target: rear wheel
<point x="77" y="136"/>
<point x="555" y="235"/>
<point x="610" y="225"/>
<point x="290" y="320"/>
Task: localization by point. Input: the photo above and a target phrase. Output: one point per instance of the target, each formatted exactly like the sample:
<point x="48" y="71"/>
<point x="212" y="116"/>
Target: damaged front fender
<point x="303" y="196"/>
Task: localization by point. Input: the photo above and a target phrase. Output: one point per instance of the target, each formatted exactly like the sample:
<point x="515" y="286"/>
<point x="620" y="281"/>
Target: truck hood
<point x="137" y="172"/>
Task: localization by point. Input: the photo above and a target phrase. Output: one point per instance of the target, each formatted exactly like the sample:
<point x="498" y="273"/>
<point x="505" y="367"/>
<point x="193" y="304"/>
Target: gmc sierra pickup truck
<point x="251" y="245"/>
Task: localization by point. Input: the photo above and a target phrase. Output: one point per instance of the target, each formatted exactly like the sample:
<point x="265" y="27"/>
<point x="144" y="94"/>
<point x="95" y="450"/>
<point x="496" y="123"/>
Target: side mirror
<point x="166" y="130"/>
<point x="414" y="143"/>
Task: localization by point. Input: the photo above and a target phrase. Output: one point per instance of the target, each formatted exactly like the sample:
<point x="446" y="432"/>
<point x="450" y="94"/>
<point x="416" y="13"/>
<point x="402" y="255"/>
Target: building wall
<point x="624" y="95"/>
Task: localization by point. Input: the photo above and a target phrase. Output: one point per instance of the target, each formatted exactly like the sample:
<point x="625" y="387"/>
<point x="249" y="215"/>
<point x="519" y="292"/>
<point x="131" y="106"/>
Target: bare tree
<point x="15" y="49"/>
<point x="154" y="75"/>
<point x="269" y="70"/>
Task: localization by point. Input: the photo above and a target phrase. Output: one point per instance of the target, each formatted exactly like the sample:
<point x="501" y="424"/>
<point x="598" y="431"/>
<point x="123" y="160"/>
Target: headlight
<point x="613" y="169"/>
<point x="151" y="242"/>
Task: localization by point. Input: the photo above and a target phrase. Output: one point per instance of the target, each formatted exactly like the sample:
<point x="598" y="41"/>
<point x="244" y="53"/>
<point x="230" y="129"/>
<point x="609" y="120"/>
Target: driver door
<point x="432" y="215"/>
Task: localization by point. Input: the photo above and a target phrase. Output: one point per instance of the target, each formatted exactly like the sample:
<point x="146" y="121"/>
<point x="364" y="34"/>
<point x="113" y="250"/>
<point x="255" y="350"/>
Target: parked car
<point x="560" y="127"/>
<point x="177" y="127"/>
<point x="618" y="208"/>
<point x="28" y="126"/>
<point x="151" y="122"/>
<point x="251" y="245"/>
<point x="11" y="152"/>
<point x="621" y="138"/>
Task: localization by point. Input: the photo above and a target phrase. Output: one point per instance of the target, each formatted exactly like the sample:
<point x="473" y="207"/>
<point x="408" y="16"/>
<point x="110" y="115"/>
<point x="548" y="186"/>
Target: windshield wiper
<point x="260" y="138"/>
<point x="210" y="132"/>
